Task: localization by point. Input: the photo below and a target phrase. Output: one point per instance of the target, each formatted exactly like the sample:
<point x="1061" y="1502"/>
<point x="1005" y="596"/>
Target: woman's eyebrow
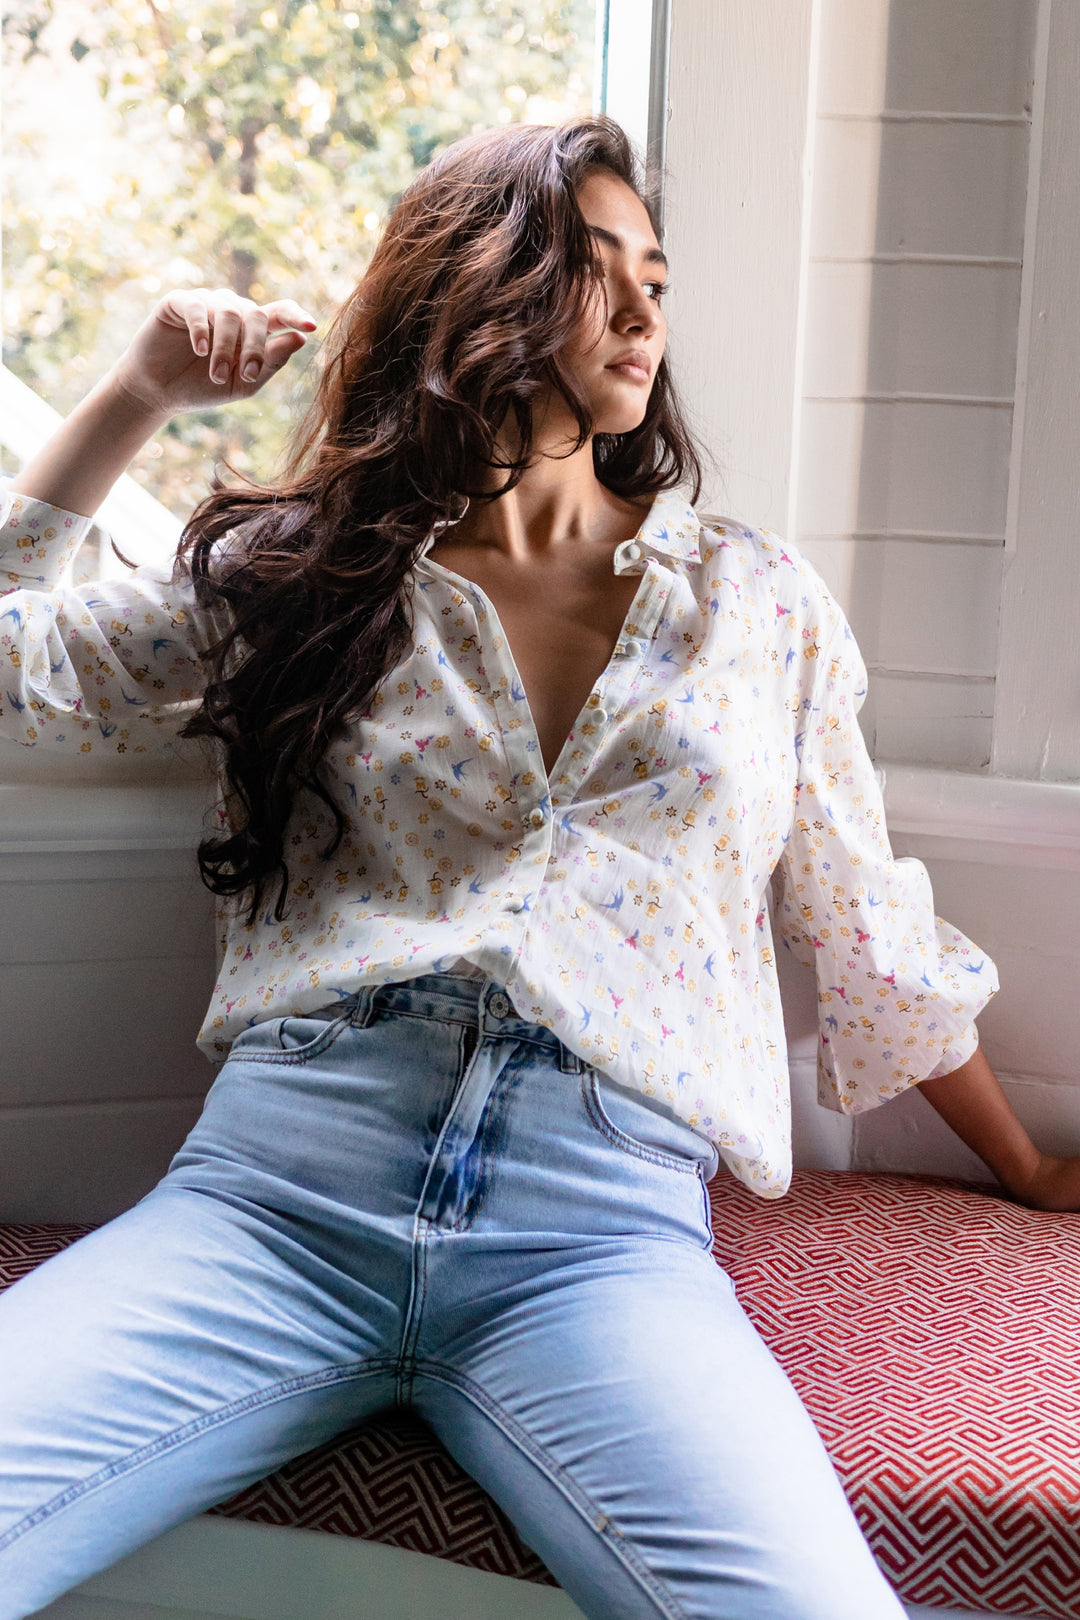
<point x="651" y="255"/>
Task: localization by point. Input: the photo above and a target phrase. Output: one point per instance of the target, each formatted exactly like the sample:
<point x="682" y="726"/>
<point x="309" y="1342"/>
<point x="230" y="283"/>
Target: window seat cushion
<point x="933" y="1333"/>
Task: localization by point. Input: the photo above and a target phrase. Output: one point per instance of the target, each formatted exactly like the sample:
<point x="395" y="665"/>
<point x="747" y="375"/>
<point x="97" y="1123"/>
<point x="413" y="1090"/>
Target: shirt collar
<point x="670" y="529"/>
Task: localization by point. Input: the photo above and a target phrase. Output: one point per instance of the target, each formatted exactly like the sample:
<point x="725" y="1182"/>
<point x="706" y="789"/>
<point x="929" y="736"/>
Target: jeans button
<point x="498" y="1004"/>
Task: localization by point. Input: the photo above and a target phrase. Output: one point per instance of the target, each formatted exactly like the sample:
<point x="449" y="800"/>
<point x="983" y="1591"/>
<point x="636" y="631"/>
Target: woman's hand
<point x="971" y="1100"/>
<point x="1054" y="1185"/>
<point x="160" y="373"/>
<point x="200" y="348"/>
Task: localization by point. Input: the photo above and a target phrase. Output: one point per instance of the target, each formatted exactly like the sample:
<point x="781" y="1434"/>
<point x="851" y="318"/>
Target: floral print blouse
<point x="623" y="901"/>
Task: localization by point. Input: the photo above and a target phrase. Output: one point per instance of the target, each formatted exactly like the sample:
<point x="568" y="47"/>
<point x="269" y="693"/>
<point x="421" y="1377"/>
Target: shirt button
<point x="633" y="551"/>
<point x="498" y="1004"/>
<point x="599" y="715"/>
<point x="632" y="647"/>
<point x="514" y="902"/>
<point x="536" y="818"/>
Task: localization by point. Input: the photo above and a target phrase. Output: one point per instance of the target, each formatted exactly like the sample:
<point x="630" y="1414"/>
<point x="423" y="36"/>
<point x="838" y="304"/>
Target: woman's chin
<point x="620" y="419"/>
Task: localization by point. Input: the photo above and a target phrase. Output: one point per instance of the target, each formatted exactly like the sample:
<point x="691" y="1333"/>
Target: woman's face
<point x="635" y="271"/>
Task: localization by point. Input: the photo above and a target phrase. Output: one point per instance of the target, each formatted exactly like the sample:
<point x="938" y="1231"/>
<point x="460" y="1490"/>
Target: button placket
<point x="615" y="685"/>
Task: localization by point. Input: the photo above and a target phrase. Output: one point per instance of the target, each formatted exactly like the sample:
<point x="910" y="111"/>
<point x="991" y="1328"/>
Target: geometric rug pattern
<point x="933" y="1333"/>
<point x="392" y="1480"/>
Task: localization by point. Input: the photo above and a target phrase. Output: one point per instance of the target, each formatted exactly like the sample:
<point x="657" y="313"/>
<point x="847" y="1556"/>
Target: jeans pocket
<point x="629" y="1122"/>
<point x="292" y="1039"/>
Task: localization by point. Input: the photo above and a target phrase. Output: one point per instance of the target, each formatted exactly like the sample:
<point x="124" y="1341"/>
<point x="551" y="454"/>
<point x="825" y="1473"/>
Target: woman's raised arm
<point x="116" y="665"/>
<point x="197" y="348"/>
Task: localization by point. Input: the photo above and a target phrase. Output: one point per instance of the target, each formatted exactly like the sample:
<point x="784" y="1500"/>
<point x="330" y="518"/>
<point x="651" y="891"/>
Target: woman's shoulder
<point x="760" y="558"/>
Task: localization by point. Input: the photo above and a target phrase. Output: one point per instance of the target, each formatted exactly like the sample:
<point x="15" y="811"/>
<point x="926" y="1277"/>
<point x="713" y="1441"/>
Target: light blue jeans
<point x="419" y="1198"/>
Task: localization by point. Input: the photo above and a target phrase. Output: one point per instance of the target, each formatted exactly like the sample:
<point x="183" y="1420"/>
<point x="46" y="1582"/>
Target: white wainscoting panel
<point x="918" y="186"/>
<point x="969" y="56"/>
<point x="910" y="328"/>
<point x="107" y="961"/>
<point x="909" y="466"/>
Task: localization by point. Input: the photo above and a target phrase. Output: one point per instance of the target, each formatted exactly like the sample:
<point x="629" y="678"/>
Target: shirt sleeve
<point x="898" y="986"/>
<point x="88" y="665"/>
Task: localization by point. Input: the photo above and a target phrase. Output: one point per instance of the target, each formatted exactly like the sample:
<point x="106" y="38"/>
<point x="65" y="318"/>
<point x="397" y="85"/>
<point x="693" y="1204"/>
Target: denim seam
<point x="455" y="1014"/>
<point x="600" y="1523"/>
<point x="422" y="1225"/>
<point x="503" y="1090"/>
<point x="491" y="1032"/>
<point x="405" y="1363"/>
<point x="191" y="1431"/>
<point x="607" y="1128"/>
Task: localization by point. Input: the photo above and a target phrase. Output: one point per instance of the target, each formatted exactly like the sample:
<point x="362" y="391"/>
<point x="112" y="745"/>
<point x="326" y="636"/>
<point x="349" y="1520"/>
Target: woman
<point x="512" y="743"/>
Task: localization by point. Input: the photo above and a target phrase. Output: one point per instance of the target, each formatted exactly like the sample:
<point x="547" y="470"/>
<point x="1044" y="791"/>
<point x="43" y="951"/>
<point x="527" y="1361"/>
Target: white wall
<point x="106" y="968"/>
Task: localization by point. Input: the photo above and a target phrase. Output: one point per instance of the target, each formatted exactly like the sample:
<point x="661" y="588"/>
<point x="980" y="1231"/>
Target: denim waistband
<point x="482" y="1004"/>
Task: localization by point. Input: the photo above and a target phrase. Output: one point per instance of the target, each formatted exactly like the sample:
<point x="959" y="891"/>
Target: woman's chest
<point x="558" y="630"/>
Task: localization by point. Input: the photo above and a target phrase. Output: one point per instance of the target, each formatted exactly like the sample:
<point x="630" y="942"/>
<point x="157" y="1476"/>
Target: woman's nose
<point x="637" y="309"/>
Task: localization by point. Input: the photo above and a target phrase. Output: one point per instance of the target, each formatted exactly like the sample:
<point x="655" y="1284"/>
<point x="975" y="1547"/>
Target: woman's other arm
<point x="197" y="349"/>
<point x="972" y="1102"/>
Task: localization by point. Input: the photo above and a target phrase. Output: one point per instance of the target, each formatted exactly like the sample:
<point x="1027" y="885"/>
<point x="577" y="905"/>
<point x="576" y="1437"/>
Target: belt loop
<point x="569" y="1062"/>
<point x="365" y="1006"/>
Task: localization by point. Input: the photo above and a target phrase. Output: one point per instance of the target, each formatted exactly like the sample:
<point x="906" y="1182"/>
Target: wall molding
<point x="38" y="819"/>
<point x="997" y="820"/>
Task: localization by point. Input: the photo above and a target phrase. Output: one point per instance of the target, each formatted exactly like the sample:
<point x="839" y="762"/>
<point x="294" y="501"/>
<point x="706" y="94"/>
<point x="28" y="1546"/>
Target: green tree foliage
<point x="253" y="143"/>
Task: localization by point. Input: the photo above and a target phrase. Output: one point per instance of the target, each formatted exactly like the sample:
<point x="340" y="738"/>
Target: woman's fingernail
<point x="202" y="347"/>
<point x="251" y="371"/>
<point x="218" y="374"/>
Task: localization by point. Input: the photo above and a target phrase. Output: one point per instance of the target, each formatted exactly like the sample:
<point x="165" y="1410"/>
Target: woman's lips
<point x="638" y="373"/>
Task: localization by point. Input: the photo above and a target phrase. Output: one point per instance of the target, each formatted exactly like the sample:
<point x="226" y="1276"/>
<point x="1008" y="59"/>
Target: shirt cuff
<point x="957" y="1055"/>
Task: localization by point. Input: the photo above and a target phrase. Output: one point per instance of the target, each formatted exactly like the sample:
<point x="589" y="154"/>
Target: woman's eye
<point x="659" y="289"/>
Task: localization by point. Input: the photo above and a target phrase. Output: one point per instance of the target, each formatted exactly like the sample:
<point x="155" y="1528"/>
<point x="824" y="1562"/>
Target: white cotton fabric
<point x="622" y="902"/>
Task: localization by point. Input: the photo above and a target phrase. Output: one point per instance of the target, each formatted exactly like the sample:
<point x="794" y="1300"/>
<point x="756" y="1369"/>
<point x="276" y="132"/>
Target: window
<point x="160" y="143"/>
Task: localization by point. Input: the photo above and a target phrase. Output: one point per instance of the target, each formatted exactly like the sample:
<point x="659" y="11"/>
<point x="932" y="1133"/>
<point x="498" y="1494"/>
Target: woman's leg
<point x="577" y="1348"/>
<point x="623" y="1411"/>
<point x="151" y="1370"/>
<point x="246" y="1310"/>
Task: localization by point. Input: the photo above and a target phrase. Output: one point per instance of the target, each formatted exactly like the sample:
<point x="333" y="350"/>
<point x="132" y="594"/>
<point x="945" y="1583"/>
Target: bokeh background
<point x="152" y="144"/>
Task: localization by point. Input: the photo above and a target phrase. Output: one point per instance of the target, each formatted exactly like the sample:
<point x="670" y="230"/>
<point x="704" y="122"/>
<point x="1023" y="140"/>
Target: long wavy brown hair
<point x="484" y="272"/>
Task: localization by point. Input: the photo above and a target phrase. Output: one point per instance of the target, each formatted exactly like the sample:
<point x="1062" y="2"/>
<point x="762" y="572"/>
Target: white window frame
<point x="1037" y="702"/>
<point x="631" y="86"/>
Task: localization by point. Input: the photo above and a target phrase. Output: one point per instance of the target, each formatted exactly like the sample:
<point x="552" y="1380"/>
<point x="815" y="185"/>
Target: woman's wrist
<point x="128" y="400"/>
<point x="971" y="1101"/>
<point x="76" y="468"/>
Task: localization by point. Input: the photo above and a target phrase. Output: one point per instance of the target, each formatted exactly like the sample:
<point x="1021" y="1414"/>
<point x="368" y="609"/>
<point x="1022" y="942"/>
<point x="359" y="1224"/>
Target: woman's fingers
<point x="227" y="322"/>
<point x="241" y="330"/>
<point x="281" y="346"/>
<point x="198" y="324"/>
<point x="253" y="344"/>
<point x="239" y="345"/>
<point x="287" y="313"/>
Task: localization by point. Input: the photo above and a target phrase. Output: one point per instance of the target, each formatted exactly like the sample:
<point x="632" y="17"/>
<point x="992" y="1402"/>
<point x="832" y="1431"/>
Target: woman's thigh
<point x="157" y="1366"/>
<point x="626" y="1415"/>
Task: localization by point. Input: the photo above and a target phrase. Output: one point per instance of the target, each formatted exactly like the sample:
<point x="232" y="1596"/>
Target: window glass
<point x="253" y="143"/>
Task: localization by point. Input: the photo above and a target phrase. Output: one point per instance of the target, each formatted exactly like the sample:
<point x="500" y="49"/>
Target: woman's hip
<point x="430" y="1105"/>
